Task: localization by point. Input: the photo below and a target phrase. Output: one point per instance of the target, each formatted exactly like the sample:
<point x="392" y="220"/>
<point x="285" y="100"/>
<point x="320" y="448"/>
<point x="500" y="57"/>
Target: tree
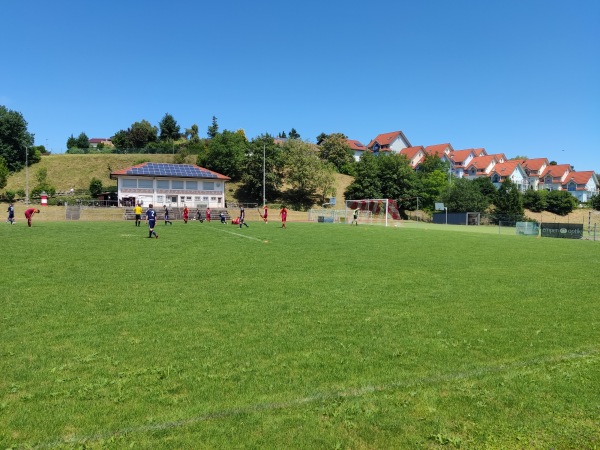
<point x="282" y="135"/>
<point x="192" y="134"/>
<point x="486" y="187"/>
<point x="595" y="202"/>
<point x="335" y="149"/>
<point x="366" y="183"/>
<point x="71" y="142"/>
<point x="432" y="186"/>
<point x="464" y="196"/>
<point x="225" y="154"/>
<point x="83" y="141"/>
<point x="15" y="140"/>
<point x="508" y="205"/>
<point x="252" y="178"/>
<point x="535" y="200"/>
<point x="3" y="173"/>
<point x="213" y="129"/>
<point x="169" y="129"/>
<point x="305" y="173"/>
<point x="433" y="162"/>
<point x="121" y="140"/>
<point x="293" y="134"/>
<point x="560" y="202"/>
<point x="95" y="187"/>
<point x="141" y="134"/>
<point x="321" y="137"/>
<point x="397" y="178"/>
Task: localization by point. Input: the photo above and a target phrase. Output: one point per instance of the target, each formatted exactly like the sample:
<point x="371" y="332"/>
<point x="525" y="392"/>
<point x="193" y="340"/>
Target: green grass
<point x="318" y="336"/>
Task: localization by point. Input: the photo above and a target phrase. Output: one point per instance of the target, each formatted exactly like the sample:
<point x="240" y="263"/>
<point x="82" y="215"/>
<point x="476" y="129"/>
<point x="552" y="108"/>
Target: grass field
<point x="318" y="336"/>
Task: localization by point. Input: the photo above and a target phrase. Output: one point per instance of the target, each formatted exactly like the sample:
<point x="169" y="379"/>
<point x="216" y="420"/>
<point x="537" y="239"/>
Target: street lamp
<point x="264" y="176"/>
<point x="26" y="175"/>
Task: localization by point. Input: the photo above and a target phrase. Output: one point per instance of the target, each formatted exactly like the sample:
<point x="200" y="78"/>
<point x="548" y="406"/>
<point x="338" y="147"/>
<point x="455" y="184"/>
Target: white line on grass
<point x="237" y="234"/>
<point x="349" y="393"/>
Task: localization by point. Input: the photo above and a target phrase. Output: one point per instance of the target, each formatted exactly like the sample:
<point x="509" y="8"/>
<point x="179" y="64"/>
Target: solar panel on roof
<point x="180" y="170"/>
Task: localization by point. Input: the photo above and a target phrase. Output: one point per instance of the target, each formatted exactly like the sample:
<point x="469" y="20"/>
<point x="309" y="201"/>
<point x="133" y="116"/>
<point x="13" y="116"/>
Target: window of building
<point x="209" y="185"/>
<point x="177" y="184"/>
<point x="129" y="183"/>
<point x="191" y="185"/>
<point x="145" y="184"/>
<point x="162" y="184"/>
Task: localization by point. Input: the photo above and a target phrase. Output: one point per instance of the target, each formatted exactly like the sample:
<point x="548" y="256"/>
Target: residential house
<point x="357" y="148"/>
<point x="512" y="170"/>
<point x="392" y="142"/>
<point x="583" y="185"/>
<point x="460" y="159"/>
<point x="480" y="166"/>
<point x="414" y="155"/>
<point x="443" y="151"/>
<point x="534" y="168"/>
<point x="554" y="176"/>
<point x="104" y="141"/>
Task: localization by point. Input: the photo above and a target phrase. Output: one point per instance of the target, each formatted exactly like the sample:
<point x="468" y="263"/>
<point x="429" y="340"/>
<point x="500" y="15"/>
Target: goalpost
<point x="372" y="211"/>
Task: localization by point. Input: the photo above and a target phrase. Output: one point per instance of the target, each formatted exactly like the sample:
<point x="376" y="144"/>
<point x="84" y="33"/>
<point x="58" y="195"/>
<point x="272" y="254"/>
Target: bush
<point x="9" y="196"/>
<point x="560" y="202"/>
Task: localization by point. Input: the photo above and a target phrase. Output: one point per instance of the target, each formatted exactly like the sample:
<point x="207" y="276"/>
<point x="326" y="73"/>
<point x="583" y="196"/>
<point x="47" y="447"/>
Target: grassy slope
<point x="76" y="171"/>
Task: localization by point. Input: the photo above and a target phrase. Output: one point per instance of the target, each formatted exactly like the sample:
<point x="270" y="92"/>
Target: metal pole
<point x="264" y="176"/>
<point x="417" y="209"/>
<point x="26" y="175"/>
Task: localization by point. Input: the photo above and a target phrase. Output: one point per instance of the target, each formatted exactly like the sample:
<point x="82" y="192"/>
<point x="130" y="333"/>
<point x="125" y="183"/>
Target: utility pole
<point x="264" y="176"/>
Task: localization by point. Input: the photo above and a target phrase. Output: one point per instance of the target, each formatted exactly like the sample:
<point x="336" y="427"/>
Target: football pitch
<point x="316" y="336"/>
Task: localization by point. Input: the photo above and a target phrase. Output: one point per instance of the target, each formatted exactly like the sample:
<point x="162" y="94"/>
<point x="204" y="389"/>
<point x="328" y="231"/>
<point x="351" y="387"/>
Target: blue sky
<point x="520" y="77"/>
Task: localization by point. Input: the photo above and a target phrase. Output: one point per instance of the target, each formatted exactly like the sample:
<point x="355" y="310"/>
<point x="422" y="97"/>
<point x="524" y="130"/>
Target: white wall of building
<point x="175" y="192"/>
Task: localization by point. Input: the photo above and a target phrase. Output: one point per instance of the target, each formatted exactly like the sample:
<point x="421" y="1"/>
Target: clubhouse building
<point x="175" y="185"/>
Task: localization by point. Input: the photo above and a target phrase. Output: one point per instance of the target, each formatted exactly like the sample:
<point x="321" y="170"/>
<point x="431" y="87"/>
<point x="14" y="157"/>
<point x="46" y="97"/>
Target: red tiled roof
<point x="356" y="145"/>
<point x="438" y="149"/>
<point x="579" y="177"/>
<point x="506" y="168"/>
<point x="99" y="140"/>
<point x="410" y="152"/>
<point x="479" y="151"/>
<point x="499" y="156"/>
<point x="386" y="139"/>
<point x="481" y="162"/>
<point x="535" y="163"/>
<point x="459" y="156"/>
<point x="556" y="171"/>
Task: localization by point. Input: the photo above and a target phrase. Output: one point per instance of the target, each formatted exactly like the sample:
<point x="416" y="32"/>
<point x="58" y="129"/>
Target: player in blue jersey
<point x="151" y="219"/>
<point x="11" y="214"/>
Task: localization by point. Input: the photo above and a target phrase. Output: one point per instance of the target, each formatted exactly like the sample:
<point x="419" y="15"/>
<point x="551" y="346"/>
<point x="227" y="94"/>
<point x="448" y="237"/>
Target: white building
<point x="176" y="185"/>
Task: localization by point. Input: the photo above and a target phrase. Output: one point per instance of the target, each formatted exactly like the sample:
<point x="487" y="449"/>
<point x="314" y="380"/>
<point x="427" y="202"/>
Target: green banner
<point x="562" y="230"/>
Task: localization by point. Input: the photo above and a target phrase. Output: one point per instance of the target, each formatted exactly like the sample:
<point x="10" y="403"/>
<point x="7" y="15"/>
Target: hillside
<point x="76" y="171"/>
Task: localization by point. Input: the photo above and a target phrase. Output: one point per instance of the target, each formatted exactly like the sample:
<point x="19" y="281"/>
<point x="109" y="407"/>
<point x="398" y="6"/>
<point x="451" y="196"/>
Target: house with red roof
<point x="460" y="159"/>
<point x="414" y="155"/>
<point x="480" y="166"/>
<point x="554" y="176"/>
<point x="443" y="151"/>
<point x="392" y="142"/>
<point x="534" y="168"/>
<point x="357" y="147"/>
<point x="583" y="185"/>
<point x="175" y="185"/>
<point x="512" y="170"/>
<point x="105" y="141"/>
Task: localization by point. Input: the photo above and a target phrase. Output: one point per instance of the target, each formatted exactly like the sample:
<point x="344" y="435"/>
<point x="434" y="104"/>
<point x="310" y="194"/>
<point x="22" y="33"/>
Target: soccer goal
<point x="381" y="211"/>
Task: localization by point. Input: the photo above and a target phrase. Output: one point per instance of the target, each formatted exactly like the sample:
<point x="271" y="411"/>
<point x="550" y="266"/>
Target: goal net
<point x="380" y="211"/>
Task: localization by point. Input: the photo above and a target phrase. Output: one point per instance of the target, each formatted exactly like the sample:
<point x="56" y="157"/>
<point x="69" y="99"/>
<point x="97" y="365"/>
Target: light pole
<point x="264" y="176"/>
<point x="26" y="175"/>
